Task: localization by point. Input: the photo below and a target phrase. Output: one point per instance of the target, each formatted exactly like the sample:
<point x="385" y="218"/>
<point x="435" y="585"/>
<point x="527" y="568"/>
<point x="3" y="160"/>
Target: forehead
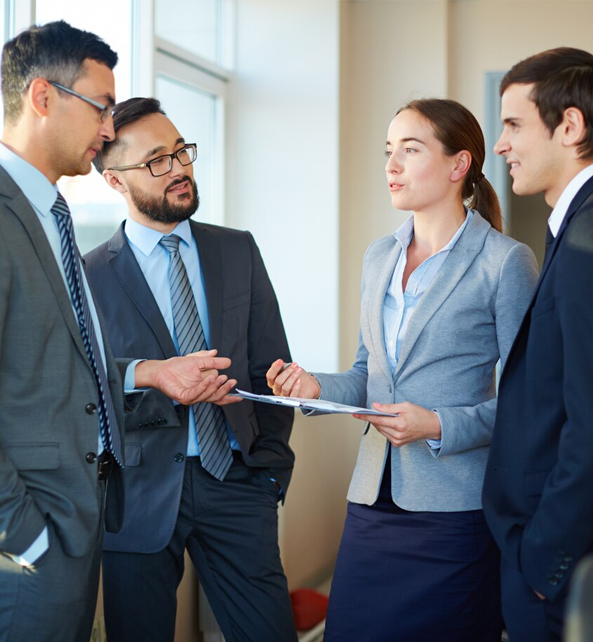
<point x="148" y="133"/>
<point x="97" y="79"/>
<point x="409" y="124"/>
<point x="516" y="102"/>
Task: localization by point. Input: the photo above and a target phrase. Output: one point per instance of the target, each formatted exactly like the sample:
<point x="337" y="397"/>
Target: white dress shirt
<point x="566" y="198"/>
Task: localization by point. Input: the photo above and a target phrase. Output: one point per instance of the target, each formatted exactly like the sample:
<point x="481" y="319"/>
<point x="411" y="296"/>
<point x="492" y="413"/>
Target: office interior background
<point x="289" y="103"/>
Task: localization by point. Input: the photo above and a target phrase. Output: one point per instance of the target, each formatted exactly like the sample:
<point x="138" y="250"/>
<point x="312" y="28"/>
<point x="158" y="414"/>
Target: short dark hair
<point x="125" y="113"/>
<point x="562" y="78"/>
<point x="55" y="51"/>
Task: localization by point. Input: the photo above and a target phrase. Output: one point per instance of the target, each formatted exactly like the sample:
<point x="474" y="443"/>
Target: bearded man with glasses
<point x="61" y="396"/>
<point x="205" y="479"/>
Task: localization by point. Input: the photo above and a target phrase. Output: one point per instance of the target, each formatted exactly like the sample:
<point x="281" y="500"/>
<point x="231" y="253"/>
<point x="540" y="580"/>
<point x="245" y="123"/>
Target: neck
<point x="553" y="193"/>
<point x="30" y="149"/>
<point x="163" y="228"/>
<point x="433" y="230"/>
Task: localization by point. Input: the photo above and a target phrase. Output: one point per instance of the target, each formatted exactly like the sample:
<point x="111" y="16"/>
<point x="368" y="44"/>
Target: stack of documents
<point x="319" y="405"/>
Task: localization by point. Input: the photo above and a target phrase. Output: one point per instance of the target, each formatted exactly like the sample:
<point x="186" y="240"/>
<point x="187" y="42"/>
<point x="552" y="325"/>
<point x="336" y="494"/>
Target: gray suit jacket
<point x="464" y="323"/>
<point x="245" y="325"/>
<point x="46" y="383"/>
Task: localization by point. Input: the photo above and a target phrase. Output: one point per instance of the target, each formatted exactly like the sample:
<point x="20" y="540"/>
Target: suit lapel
<point x="455" y="266"/>
<point x="128" y="273"/>
<point x="210" y="255"/>
<point x="576" y="203"/>
<point x="375" y="309"/>
<point x="23" y="210"/>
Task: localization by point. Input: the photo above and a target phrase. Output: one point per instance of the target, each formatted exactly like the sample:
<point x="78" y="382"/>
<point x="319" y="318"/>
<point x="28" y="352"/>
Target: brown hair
<point x="456" y="128"/>
<point x="562" y="78"/>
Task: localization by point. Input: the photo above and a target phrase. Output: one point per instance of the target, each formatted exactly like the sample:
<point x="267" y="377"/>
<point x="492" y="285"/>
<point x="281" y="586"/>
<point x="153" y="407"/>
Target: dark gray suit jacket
<point x="46" y="383"/>
<point x="245" y="325"/>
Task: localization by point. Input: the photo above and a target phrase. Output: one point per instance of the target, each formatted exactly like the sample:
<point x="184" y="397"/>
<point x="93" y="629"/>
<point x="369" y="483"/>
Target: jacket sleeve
<point x="467" y="427"/>
<point x="266" y="343"/>
<point x="561" y="530"/>
<point x="20" y="520"/>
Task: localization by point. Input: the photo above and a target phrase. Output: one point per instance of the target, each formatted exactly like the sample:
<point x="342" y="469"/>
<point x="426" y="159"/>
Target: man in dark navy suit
<point x="538" y="491"/>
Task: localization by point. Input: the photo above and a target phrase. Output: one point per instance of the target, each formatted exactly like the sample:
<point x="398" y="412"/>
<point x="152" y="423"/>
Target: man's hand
<point x="290" y="380"/>
<point x="187" y="380"/>
<point x="412" y="423"/>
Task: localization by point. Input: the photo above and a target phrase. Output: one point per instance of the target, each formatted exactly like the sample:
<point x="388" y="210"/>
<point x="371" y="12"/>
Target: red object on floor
<point x="309" y="607"/>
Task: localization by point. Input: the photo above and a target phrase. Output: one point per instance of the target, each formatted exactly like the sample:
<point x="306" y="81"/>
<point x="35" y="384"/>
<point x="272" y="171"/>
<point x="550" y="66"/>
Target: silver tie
<point x="213" y="440"/>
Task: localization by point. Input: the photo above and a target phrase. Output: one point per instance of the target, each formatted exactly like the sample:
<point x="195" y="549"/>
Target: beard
<point x="160" y="210"/>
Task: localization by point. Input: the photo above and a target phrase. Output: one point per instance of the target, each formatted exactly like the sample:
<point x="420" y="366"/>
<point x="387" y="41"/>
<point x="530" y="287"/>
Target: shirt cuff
<point x="35" y="551"/>
<point x="130" y="378"/>
<point x="435" y="444"/>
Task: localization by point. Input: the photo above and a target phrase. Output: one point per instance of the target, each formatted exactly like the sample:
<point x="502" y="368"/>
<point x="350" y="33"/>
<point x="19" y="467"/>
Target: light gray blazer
<point x="464" y="323"/>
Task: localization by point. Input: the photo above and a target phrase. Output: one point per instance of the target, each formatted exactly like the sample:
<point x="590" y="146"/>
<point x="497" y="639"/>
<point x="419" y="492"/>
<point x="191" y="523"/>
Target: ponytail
<point x="485" y="200"/>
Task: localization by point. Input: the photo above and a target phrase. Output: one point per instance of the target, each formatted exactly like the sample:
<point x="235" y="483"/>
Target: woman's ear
<point x="463" y="161"/>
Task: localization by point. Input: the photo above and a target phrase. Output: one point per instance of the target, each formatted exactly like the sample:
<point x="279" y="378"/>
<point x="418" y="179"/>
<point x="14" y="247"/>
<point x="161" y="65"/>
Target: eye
<point x="388" y="153"/>
<point x="159" y="162"/>
<point x="409" y="150"/>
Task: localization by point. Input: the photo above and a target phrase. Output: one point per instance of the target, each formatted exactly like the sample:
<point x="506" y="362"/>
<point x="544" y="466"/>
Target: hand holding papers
<point x="319" y="405"/>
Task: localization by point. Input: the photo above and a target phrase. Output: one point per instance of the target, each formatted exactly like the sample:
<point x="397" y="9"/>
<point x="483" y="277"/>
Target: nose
<point x="502" y="145"/>
<point x="393" y="166"/>
<point x="107" y="131"/>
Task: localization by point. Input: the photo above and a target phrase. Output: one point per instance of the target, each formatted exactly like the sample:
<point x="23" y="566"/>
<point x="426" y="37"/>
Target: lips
<point x="395" y="187"/>
<point x="179" y="187"/>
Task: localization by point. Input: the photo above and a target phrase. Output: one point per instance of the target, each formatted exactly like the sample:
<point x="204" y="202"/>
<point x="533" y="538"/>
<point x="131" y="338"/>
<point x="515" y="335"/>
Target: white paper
<point x="320" y="405"/>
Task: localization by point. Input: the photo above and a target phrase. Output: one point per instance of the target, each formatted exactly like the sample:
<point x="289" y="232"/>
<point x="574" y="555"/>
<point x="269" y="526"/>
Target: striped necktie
<point x="213" y="440"/>
<point x="107" y="418"/>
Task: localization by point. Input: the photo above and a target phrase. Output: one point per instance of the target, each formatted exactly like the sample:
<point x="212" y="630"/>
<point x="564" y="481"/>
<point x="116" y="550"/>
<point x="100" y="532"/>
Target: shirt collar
<point x="146" y="238"/>
<point x="405" y="232"/>
<point x="35" y="186"/>
<point x="566" y="198"/>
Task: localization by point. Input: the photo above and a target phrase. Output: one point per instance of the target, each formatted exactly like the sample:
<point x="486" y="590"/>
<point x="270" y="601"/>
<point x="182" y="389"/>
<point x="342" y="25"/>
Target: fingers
<point x="211" y="363"/>
<point x="273" y="372"/>
<point x="286" y="380"/>
<point x="203" y="353"/>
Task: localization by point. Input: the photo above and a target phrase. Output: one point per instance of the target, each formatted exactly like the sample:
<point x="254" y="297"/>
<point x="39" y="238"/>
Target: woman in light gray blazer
<point x="442" y="300"/>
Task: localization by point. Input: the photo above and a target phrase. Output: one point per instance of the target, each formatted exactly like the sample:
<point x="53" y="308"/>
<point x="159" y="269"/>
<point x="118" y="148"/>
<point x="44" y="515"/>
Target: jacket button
<point x="553" y="582"/>
<point x="91" y="458"/>
<point x="568" y="557"/>
<point x="179" y="458"/>
<point x="563" y="566"/>
<point x="90" y="408"/>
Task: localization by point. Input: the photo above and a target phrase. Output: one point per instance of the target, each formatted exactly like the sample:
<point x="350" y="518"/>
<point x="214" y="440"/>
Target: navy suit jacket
<point x="245" y="325"/>
<point x="538" y="490"/>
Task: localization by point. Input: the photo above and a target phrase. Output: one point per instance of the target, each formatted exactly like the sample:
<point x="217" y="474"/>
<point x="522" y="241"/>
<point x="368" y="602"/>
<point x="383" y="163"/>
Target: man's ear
<point x="573" y="127"/>
<point x="463" y="161"/>
<point x="113" y="181"/>
<point x="39" y="96"/>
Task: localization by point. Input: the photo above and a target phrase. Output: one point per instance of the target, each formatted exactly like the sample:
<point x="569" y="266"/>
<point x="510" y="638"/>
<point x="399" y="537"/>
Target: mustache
<point x="178" y="181"/>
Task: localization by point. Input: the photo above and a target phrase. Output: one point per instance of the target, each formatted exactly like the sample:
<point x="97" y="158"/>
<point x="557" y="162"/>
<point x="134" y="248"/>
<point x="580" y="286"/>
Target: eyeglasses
<point x="162" y="165"/>
<point x="106" y="110"/>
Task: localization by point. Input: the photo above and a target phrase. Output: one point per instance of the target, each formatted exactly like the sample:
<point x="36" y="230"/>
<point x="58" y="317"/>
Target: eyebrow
<point x="407" y="140"/>
<point x="161" y="147"/>
<point x="510" y="119"/>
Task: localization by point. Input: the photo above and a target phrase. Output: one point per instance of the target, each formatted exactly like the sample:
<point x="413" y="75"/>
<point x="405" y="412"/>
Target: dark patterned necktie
<point x="107" y="418"/>
<point x="213" y="440"/>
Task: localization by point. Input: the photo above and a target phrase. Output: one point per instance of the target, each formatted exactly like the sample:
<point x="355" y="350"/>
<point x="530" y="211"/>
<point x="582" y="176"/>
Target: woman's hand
<point x="412" y="423"/>
<point x="292" y="381"/>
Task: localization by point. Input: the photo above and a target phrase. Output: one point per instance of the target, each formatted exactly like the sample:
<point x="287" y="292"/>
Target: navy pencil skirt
<point x="406" y="576"/>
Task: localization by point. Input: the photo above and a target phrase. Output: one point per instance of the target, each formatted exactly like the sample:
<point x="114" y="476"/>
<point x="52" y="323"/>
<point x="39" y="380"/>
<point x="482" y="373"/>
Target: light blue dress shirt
<point x="399" y="305"/>
<point x="42" y="195"/>
<point x="153" y="260"/>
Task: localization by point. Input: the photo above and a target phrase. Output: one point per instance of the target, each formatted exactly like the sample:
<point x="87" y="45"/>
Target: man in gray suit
<point x="61" y="395"/>
<point x="168" y="285"/>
